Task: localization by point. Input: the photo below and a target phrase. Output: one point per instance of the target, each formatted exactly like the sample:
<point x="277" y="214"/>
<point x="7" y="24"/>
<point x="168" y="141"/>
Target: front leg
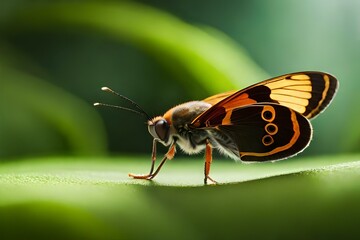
<point x="169" y="155"/>
<point x="208" y="161"/>
<point x="153" y="158"/>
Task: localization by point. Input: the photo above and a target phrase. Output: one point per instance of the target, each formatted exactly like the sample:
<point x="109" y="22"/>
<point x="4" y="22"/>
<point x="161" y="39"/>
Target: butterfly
<point x="267" y="121"/>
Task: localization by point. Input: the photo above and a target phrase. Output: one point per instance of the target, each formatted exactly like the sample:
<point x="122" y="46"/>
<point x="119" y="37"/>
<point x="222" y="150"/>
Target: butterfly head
<point x="159" y="128"/>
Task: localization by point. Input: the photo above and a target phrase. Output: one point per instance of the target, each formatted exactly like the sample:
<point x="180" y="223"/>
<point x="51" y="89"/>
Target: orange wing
<point x="308" y="93"/>
<point x="218" y="97"/>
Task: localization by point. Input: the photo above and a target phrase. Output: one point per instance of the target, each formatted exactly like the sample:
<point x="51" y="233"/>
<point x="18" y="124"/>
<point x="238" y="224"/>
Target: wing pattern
<point x="249" y="117"/>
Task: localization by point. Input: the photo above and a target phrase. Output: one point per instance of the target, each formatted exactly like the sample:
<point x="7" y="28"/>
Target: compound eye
<point x="162" y="129"/>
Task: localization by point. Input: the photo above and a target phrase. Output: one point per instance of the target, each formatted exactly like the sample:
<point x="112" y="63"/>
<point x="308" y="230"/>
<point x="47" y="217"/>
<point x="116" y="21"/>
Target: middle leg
<point x="208" y="161"/>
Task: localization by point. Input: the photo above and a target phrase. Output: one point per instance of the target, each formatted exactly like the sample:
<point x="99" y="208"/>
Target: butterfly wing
<point x="261" y="132"/>
<point x="218" y="97"/>
<point x="308" y="93"/>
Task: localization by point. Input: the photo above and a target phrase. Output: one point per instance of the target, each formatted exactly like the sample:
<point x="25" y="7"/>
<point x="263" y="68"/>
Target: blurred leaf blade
<point x="213" y="60"/>
<point x="73" y="118"/>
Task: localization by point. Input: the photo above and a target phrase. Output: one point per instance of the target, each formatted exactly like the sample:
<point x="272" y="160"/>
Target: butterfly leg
<point x="208" y="161"/>
<point x="153" y="157"/>
<point x="169" y="155"/>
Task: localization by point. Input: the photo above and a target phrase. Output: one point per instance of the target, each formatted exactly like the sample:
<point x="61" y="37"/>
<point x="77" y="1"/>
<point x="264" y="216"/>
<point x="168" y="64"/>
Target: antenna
<point x="138" y="111"/>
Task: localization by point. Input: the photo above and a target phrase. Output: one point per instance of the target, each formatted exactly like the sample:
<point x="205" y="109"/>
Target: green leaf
<point x="94" y="199"/>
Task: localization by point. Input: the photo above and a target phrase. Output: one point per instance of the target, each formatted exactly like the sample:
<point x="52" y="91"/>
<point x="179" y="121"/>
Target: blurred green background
<point x="56" y="55"/>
